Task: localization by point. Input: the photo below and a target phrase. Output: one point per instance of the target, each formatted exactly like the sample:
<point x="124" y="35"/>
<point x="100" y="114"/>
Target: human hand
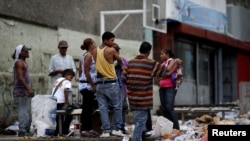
<point x="93" y="87"/>
<point x="124" y="70"/>
<point x="30" y="93"/>
<point x="60" y="71"/>
<point x="65" y="105"/>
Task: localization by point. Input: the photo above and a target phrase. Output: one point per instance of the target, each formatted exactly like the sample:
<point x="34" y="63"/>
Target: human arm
<point x="111" y="55"/>
<point x="171" y="67"/>
<point x="55" y="72"/>
<point x="87" y="64"/>
<point x="66" y="97"/>
<point x="158" y="69"/>
<point x="124" y="74"/>
<point x="118" y="58"/>
<point x="80" y="68"/>
<point x="52" y="71"/>
<point x="167" y="68"/>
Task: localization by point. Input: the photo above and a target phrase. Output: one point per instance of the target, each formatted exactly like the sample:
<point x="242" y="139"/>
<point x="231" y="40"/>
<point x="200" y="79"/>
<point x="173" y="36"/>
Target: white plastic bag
<point x="163" y="125"/>
<point x="43" y="109"/>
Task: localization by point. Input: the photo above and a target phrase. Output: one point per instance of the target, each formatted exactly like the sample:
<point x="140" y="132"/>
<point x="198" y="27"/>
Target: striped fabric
<point x="139" y="79"/>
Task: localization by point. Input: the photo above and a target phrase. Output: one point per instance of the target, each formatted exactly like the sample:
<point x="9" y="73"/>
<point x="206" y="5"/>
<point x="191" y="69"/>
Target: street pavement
<point x="112" y="138"/>
<point x="15" y="138"/>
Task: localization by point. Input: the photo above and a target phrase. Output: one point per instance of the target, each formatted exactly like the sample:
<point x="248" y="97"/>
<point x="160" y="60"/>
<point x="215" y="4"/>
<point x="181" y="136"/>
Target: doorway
<point x="206" y="77"/>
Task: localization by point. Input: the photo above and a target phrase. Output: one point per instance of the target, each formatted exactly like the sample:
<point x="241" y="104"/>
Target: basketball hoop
<point x="154" y="15"/>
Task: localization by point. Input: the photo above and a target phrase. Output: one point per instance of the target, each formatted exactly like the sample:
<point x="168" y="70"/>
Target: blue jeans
<point x="108" y="95"/>
<point x="124" y="108"/>
<point x="140" y="117"/>
<point x="167" y="98"/>
<point x="23" y="104"/>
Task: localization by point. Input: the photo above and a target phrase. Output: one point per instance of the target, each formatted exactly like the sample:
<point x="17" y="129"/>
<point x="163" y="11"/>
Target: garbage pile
<point x="196" y="129"/>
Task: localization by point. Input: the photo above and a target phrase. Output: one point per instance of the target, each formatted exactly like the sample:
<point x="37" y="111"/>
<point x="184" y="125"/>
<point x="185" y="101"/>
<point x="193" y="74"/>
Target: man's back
<point x="105" y="55"/>
<point x="104" y="67"/>
<point x="139" y="80"/>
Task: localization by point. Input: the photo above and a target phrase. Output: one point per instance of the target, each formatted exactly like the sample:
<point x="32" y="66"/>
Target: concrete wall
<point x="42" y="24"/>
<point x="77" y="15"/>
<point x="43" y="41"/>
<point x="238" y="22"/>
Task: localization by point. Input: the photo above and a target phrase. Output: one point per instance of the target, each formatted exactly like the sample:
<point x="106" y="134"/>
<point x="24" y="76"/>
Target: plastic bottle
<point x="77" y="128"/>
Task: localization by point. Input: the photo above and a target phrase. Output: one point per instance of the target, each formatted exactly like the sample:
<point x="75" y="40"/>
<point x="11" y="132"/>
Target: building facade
<point x="215" y="70"/>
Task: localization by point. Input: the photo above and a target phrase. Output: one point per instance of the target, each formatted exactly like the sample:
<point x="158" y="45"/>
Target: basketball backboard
<point x="153" y="12"/>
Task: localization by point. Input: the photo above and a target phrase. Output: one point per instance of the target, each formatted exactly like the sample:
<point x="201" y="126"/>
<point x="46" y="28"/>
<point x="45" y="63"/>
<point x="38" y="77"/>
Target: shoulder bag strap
<point x="57" y="87"/>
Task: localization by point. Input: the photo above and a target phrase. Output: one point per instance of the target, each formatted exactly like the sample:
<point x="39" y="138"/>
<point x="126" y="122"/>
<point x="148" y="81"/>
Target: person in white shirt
<point x="62" y="95"/>
<point x="60" y="62"/>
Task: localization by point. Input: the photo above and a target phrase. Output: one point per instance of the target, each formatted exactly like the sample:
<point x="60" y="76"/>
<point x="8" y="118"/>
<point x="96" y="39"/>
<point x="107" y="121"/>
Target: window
<point x="186" y="51"/>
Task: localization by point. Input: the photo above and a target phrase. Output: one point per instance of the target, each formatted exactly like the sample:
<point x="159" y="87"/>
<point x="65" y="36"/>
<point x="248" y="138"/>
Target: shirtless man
<point x="107" y="89"/>
<point x="22" y="91"/>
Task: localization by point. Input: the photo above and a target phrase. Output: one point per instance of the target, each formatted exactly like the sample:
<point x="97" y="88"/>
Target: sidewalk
<point x="15" y="138"/>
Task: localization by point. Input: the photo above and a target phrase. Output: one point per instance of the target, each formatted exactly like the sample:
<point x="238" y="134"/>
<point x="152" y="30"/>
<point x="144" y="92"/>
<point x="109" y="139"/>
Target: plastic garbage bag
<point x="43" y="109"/>
<point x="163" y="125"/>
<point x="13" y="127"/>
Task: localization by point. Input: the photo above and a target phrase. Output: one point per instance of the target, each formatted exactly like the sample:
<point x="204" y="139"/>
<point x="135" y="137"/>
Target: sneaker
<point x="147" y="134"/>
<point x="117" y="133"/>
<point x="105" y="135"/>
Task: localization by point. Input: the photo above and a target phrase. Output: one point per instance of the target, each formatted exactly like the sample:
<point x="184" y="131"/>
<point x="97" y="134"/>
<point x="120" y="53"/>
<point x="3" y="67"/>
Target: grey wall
<point x="43" y="41"/>
<point x="41" y="24"/>
<point x="238" y="22"/>
<point x="77" y="15"/>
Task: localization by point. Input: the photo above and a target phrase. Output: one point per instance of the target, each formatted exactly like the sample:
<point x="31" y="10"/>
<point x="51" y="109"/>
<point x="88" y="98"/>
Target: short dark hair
<point x="145" y="47"/>
<point x="169" y="52"/>
<point x="117" y="47"/>
<point x="107" y="35"/>
<point x="68" y="72"/>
